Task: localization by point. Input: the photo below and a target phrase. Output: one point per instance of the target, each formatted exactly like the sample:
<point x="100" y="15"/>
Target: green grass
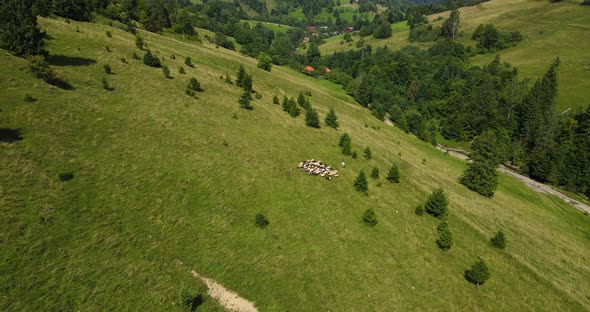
<point x="164" y="183"/>
<point x="277" y="28"/>
<point x="549" y="30"/>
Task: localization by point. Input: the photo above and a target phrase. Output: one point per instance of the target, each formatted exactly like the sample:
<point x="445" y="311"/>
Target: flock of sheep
<point x="316" y="167"/>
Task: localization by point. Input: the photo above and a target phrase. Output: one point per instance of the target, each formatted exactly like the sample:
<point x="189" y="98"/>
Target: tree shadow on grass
<point x="10" y="135"/>
<point x="63" y="60"/>
<point x="60" y="83"/>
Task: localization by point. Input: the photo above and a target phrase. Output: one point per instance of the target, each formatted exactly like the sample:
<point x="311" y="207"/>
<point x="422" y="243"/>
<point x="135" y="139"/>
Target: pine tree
<point x="331" y="119"/>
<point x="478" y="274"/>
<point x="247" y="83"/>
<point x="437" y="203"/>
<point x="375" y="173"/>
<point x="151" y="60"/>
<point x="18" y="29"/>
<point x="166" y="71"/>
<point x="240" y="76"/>
<point x="445" y="238"/>
<point x="275" y="100"/>
<point x="245" y="100"/>
<point x="188" y="62"/>
<point x="312" y="119"/>
<point x="360" y="184"/>
<point x="393" y="174"/>
<point x="370" y="217"/>
<point x="302" y="101"/>
<point x="367" y="153"/>
<point x="194" y="85"/>
<point x="499" y="240"/>
<point x="346" y="144"/>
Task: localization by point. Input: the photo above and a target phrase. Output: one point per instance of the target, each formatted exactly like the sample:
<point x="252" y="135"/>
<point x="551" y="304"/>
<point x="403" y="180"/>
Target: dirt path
<point x="532" y="184"/>
<point x="227" y="298"/>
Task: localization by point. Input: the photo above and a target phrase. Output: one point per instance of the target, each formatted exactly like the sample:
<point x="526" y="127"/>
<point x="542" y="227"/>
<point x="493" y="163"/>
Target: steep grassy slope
<point x="164" y="183"/>
<point x="550" y="30"/>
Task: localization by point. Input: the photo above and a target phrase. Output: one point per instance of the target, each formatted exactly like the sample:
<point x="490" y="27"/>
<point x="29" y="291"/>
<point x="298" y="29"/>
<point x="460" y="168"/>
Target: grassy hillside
<point x="164" y="183"/>
<point x="549" y="30"/>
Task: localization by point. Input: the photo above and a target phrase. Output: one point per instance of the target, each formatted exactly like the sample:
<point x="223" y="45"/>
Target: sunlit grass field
<point x="165" y="183"/>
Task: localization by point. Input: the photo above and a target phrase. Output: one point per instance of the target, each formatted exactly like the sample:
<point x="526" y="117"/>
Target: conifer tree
<point x="331" y="119"/>
<point x="247" y="83"/>
<point x="367" y="153"/>
<point x="370" y="217"/>
<point x="445" y="238"/>
<point x="166" y="71"/>
<point x="346" y="144"/>
<point x="393" y="174"/>
<point x="188" y="62"/>
<point x="437" y="203"/>
<point x="245" y="100"/>
<point x="302" y="101"/>
<point x="360" y="184"/>
<point x="375" y="173"/>
<point x="499" y="240"/>
<point x="275" y="100"/>
<point x="139" y="42"/>
<point x="478" y="274"/>
<point x="312" y="119"/>
<point x="18" y="29"/>
<point x="194" y="85"/>
<point x="240" y="76"/>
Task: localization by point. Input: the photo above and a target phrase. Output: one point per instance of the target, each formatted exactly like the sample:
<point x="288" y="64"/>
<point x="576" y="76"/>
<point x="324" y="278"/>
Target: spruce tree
<point x="445" y="238"/>
<point x="499" y="240"/>
<point x="478" y="274"/>
<point x="247" y="83"/>
<point x="285" y="104"/>
<point x="360" y="184"/>
<point x="18" y="29"/>
<point x="354" y="154"/>
<point x="240" y="76"/>
<point x="312" y="119"/>
<point x="393" y="174"/>
<point x="188" y="62"/>
<point x="245" y="100"/>
<point x="370" y="217"/>
<point x="331" y="119"/>
<point x="194" y="85"/>
<point x="275" y="100"/>
<point x="261" y="221"/>
<point x="303" y="102"/>
<point x="151" y="60"/>
<point x="166" y="71"/>
<point x="375" y="173"/>
<point x="346" y="144"/>
<point x="367" y="153"/>
<point x="437" y="203"/>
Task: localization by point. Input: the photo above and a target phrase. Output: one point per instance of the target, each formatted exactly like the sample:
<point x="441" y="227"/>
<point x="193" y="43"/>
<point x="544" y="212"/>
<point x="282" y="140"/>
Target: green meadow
<point x="164" y="183"/>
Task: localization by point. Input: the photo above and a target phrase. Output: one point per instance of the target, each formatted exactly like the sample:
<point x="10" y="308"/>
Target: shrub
<point x="191" y="300"/>
<point x="312" y="119"/>
<point x="354" y="154"/>
<point x="245" y="100"/>
<point x="367" y="153"/>
<point x="188" y="62"/>
<point x="39" y="67"/>
<point x="190" y="92"/>
<point x="105" y="84"/>
<point x="107" y="48"/>
<point x="481" y="177"/>
<point x="419" y="210"/>
<point x="135" y="56"/>
<point x="369" y="217"/>
<point x="139" y="42"/>
<point x="360" y="184"/>
<point x="445" y="238"/>
<point x="437" y="203"/>
<point x="166" y="71"/>
<point x="393" y="174"/>
<point x="123" y="60"/>
<point x="499" y="240"/>
<point x="478" y="274"/>
<point x="261" y="221"/>
<point x="194" y="85"/>
<point x="107" y="69"/>
<point x="151" y="60"/>
<point x="257" y="95"/>
<point x="331" y="119"/>
<point x="275" y="100"/>
<point x="264" y="61"/>
<point x="109" y="34"/>
<point x="29" y="98"/>
<point x="181" y="70"/>
<point x="375" y="173"/>
<point x="66" y="176"/>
